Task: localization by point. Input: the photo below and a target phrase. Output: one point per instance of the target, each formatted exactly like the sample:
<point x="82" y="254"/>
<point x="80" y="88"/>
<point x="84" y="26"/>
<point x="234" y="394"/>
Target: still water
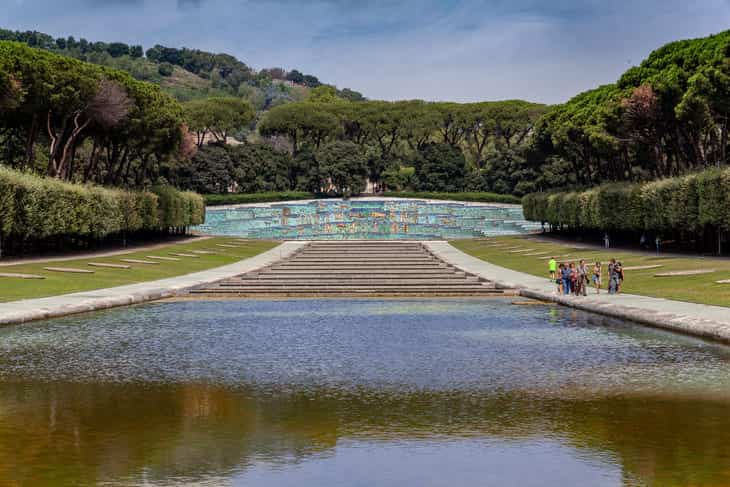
<point x="359" y="393"/>
<point x="337" y="219"/>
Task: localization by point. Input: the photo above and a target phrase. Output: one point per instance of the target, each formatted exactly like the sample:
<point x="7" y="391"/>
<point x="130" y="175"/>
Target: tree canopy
<point x="93" y="123"/>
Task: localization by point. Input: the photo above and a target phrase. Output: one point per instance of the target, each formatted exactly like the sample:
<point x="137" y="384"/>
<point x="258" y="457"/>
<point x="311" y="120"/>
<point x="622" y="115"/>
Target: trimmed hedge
<point x="683" y="203"/>
<point x="466" y="196"/>
<point x="36" y="208"/>
<point x="243" y="198"/>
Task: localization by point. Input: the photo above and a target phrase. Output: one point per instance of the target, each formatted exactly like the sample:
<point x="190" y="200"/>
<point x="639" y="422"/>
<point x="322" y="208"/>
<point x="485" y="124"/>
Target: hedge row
<point x="476" y="197"/>
<point x="683" y="203"/>
<point x="35" y="208"/>
<point x="243" y="198"/>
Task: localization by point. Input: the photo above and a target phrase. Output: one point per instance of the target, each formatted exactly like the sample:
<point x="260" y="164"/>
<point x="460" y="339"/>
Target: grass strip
<point x="56" y="284"/>
<point x="701" y="288"/>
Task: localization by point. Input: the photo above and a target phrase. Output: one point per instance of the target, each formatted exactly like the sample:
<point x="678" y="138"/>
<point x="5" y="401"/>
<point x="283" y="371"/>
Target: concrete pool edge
<point x="23" y="311"/>
<point x="700" y="320"/>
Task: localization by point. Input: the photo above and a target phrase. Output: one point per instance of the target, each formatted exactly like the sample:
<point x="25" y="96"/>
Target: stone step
<point x="362" y="259"/>
<point x="339" y="285"/>
<point x="359" y="269"/>
<point x="367" y="271"/>
<point x="388" y="255"/>
<point x="350" y="282"/>
<point x="347" y="275"/>
<point x="358" y="292"/>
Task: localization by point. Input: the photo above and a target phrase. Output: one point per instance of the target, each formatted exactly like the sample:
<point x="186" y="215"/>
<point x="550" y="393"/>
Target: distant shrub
<point x="683" y="203"/>
<point x="244" y="198"/>
<point x="475" y="197"/>
<point x="36" y="208"/>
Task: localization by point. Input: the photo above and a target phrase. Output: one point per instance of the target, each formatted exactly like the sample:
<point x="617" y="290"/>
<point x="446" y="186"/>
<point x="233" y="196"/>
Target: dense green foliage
<point x="34" y="208"/>
<point x="246" y="168"/>
<point x="488" y="143"/>
<point x="342" y="167"/>
<point x="243" y="198"/>
<point x="694" y="205"/>
<point x="663" y="118"/>
<point x="92" y="124"/>
<point x="439" y="168"/>
<point x="462" y="196"/>
<point x="217" y="117"/>
<point x="185" y="73"/>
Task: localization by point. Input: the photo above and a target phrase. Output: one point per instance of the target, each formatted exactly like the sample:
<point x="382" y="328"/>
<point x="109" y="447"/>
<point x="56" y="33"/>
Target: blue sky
<point x="460" y="50"/>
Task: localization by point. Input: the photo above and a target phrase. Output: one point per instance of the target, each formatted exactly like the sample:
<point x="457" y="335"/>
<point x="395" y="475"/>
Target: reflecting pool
<point x="359" y="393"/>
<point x="366" y="219"/>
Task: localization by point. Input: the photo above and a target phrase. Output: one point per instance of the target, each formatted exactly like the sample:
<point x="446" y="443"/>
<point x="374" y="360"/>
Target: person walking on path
<point x="566" y="279"/>
<point x="612" y="277"/>
<point x="573" y="279"/>
<point x="559" y="278"/>
<point x="552" y="267"/>
<point x="619" y="269"/>
<point x="597" y="277"/>
<point x="582" y="278"/>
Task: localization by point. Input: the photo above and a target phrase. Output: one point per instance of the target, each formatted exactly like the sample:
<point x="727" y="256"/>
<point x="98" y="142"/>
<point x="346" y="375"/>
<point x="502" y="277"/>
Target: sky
<point x="457" y="50"/>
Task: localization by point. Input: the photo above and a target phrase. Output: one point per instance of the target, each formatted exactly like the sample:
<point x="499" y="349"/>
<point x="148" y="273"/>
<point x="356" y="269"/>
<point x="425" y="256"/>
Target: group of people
<point x="572" y="279"/>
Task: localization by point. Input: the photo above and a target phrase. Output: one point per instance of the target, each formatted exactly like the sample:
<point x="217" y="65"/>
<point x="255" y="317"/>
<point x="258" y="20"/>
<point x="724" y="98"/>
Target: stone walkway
<point x="36" y="309"/>
<point x="701" y="320"/>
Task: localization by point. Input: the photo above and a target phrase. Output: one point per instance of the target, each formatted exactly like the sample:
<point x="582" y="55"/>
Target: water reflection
<point x="595" y="424"/>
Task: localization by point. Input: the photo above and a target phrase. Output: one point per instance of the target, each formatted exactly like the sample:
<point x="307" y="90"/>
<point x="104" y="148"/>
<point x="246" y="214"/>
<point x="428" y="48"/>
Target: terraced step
<point x="351" y="283"/>
<point x="354" y="268"/>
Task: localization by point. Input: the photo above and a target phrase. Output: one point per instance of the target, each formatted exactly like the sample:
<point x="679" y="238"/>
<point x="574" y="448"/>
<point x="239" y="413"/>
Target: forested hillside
<point x="665" y="117"/>
<point x="185" y="73"/>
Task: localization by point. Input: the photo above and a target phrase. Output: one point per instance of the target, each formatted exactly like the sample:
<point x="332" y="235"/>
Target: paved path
<point x="99" y="253"/>
<point x="36" y="309"/>
<point x="702" y="320"/>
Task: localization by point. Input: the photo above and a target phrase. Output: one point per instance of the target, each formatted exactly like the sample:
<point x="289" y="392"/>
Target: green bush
<point x="683" y="203"/>
<point x="475" y="197"/>
<point x="36" y="208"/>
<point x="245" y="198"/>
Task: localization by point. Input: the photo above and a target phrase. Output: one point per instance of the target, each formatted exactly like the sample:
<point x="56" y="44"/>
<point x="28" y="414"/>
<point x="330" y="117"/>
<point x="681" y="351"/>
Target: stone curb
<point x="18" y="312"/>
<point x="688" y="324"/>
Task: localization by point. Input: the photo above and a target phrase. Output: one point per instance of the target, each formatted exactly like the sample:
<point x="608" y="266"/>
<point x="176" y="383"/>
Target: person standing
<point x="567" y="274"/>
<point x="597" y="277"/>
<point x="552" y="267"/>
<point x="619" y="269"/>
<point x="658" y="243"/>
<point x="612" y="277"/>
<point x="559" y="279"/>
<point x="582" y="278"/>
<point x="606" y="241"/>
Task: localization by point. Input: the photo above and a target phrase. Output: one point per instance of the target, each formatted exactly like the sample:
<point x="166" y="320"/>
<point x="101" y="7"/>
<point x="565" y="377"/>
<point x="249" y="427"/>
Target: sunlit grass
<point x="55" y="283"/>
<point x="697" y="289"/>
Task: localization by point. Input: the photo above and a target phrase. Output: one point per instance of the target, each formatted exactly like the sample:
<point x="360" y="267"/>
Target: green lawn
<point x="56" y="283"/>
<point x="696" y="289"/>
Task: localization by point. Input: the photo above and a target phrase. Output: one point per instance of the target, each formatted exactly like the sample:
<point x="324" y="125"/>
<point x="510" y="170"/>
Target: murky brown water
<point x="357" y="393"/>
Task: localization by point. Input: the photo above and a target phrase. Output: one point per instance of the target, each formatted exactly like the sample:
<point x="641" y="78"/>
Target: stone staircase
<point x="355" y="268"/>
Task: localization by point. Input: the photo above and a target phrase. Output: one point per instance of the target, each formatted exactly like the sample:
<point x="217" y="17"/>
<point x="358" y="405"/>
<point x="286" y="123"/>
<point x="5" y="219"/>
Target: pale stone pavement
<point x="42" y="308"/>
